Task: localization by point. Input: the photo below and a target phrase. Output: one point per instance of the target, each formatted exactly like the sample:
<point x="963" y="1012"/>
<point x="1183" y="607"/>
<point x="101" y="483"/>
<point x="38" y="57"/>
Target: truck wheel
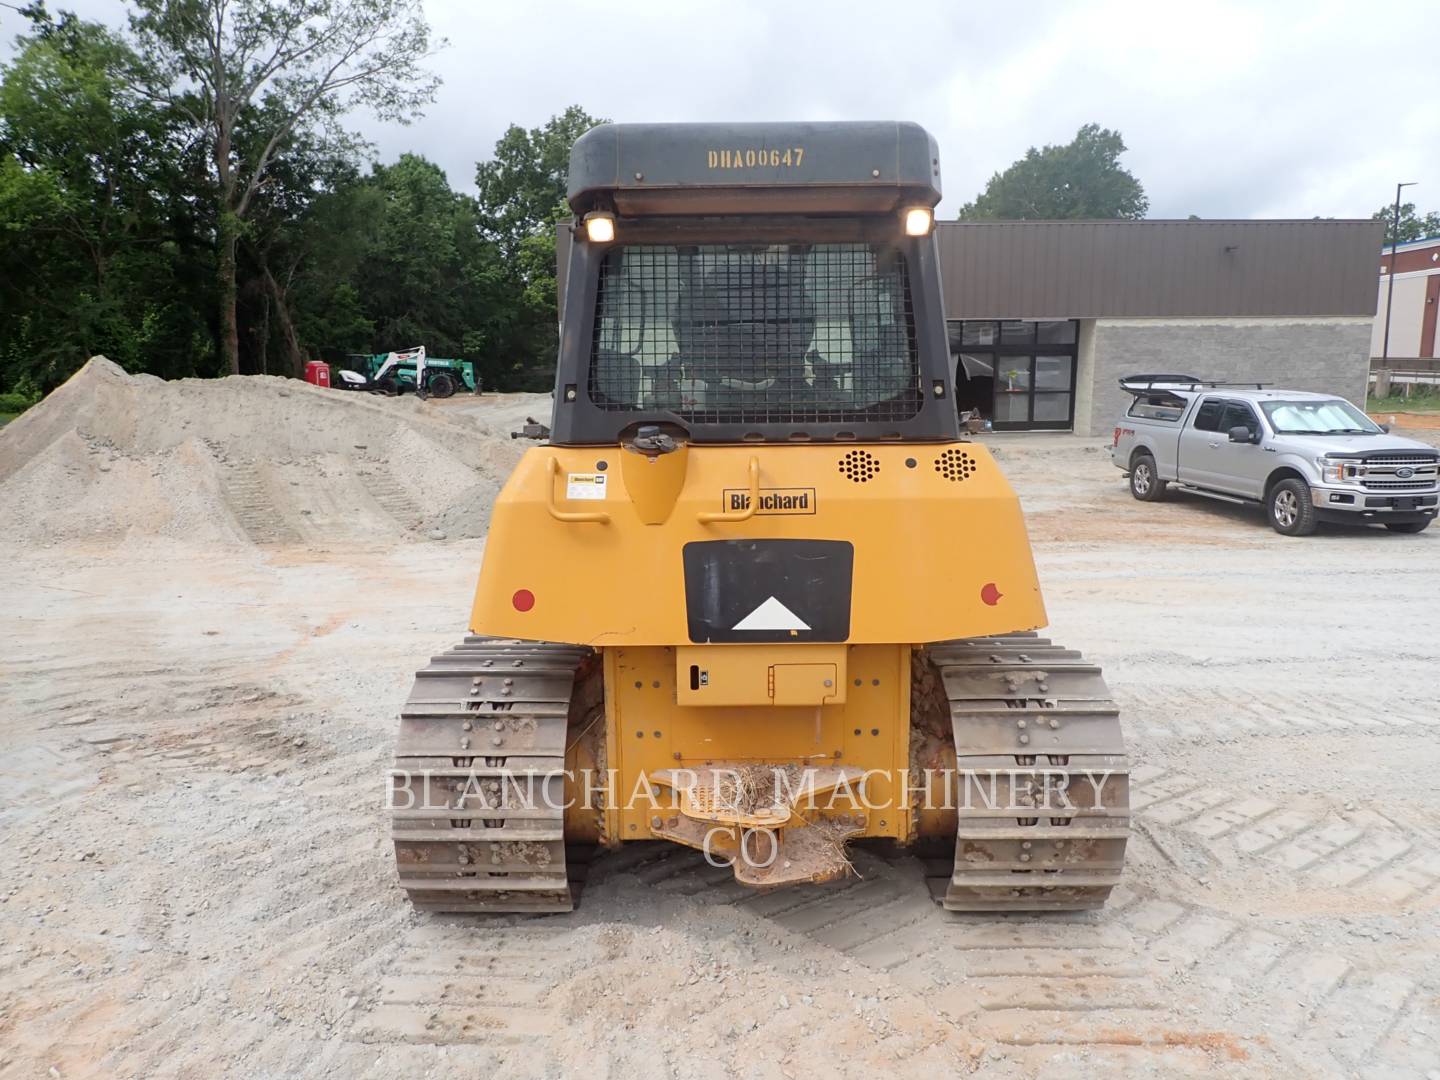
<point x="440" y="385"/>
<point x="1409" y="526"/>
<point x="1144" y="484"/>
<point x="1291" y="511"/>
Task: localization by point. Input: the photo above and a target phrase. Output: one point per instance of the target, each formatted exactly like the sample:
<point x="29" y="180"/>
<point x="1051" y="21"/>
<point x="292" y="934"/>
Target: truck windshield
<point x="733" y="333"/>
<point x="1332" y="417"/>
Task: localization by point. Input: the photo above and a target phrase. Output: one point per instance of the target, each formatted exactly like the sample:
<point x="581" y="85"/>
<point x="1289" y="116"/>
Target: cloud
<point x="1282" y="109"/>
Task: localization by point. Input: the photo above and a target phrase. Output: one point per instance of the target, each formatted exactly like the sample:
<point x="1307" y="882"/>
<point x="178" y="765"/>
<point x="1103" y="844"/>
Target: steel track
<point x="478" y="787"/>
<point x="1042" y="792"/>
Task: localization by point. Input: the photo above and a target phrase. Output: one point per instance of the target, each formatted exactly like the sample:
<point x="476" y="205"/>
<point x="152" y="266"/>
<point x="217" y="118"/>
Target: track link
<point x="478" y="786"/>
<point x="1035" y="729"/>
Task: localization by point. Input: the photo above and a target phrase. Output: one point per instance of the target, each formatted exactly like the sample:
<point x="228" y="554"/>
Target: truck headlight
<point x="1333" y="471"/>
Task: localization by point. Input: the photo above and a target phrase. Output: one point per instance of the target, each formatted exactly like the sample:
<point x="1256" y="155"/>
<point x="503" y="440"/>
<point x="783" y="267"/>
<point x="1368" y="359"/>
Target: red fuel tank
<point x="317" y="372"/>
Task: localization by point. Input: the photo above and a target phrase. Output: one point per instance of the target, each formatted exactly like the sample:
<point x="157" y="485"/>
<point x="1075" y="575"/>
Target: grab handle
<point x="711" y="517"/>
<point x="597" y="516"/>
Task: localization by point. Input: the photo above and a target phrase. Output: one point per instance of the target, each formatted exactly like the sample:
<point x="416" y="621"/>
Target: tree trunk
<point x="262" y="333"/>
<point x="229" y="232"/>
<point x="293" y="353"/>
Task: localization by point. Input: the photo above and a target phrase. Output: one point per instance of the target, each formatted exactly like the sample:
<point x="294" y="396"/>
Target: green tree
<point x="98" y="253"/>
<point x="277" y="238"/>
<point x="521" y="198"/>
<point x="1081" y="179"/>
<point x="289" y="67"/>
<point x="1413" y="226"/>
<point x="156" y="209"/>
<point x="398" y="259"/>
<point x="427" y="274"/>
<point x="522" y="188"/>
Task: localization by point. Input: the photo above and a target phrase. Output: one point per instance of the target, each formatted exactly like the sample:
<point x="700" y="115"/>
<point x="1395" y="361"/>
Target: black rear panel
<point x="768" y="590"/>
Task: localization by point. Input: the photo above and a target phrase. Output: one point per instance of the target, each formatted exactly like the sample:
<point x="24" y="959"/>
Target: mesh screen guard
<point x="768" y="333"/>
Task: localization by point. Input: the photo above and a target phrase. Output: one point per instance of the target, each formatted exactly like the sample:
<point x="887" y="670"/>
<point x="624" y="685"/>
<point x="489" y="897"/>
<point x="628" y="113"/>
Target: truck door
<point x="1240" y="468"/>
<point x="1198" y="445"/>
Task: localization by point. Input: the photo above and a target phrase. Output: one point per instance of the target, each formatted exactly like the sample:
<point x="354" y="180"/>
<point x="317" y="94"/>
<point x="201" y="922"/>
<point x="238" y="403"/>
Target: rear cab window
<point x="1157" y="405"/>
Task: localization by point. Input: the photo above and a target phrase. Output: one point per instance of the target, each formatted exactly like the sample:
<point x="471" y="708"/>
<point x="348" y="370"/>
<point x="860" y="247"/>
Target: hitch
<point x="748" y="816"/>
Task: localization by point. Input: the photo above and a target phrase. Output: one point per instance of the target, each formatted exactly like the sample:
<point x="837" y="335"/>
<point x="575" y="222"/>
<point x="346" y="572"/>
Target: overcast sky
<point x="1261" y="109"/>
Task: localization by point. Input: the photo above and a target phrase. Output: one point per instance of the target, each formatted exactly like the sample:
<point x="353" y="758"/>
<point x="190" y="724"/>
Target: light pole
<point x="1390" y="290"/>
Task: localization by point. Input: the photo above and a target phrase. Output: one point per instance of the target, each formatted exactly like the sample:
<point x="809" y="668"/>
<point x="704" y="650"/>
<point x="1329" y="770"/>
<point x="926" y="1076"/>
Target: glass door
<point x="1014" y="378"/>
<point x="1053" y="399"/>
<point x="1034" y="391"/>
<point x="1019" y="372"/>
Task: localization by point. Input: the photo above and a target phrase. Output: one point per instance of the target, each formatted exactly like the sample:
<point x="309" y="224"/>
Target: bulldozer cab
<point x="753" y="283"/>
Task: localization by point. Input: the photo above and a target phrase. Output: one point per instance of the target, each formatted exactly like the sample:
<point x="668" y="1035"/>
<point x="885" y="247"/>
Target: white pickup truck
<point x="1305" y="457"/>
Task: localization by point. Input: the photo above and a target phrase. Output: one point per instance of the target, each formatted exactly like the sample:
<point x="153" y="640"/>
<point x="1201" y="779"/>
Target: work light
<point x="600" y="226"/>
<point x="918" y="220"/>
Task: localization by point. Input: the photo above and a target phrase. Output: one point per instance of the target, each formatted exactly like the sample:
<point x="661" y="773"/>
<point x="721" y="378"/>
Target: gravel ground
<point x="195" y="878"/>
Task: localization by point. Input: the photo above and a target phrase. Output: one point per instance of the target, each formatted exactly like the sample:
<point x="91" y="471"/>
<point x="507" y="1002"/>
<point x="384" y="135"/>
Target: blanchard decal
<point x="584" y="485"/>
<point x="768" y="590"/>
<point x="785" y="158"/>
<point x="772" y="500"/>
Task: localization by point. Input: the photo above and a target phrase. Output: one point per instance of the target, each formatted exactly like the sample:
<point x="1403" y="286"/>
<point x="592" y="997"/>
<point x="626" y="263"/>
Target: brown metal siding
<point x="1423" y="258"/>
<point x="1140" y="269"/>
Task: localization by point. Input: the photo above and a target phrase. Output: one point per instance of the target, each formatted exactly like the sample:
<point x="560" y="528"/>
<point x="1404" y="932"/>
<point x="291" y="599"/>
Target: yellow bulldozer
<point x="756" y="595"/>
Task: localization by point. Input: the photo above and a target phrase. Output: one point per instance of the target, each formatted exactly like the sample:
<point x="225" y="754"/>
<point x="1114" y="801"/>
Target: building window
<point x="1018" y="374"/>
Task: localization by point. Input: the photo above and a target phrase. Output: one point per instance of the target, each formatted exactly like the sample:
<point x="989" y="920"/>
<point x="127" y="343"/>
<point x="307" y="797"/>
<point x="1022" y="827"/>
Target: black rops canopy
<point x="841" y="167"/>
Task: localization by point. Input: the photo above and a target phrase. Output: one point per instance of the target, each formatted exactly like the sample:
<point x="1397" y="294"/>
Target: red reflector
<point x="990" y="594"/>
<point x="523" y="600"/>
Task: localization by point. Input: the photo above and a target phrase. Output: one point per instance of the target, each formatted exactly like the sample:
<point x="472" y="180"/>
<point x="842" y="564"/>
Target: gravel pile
<point x="249" y="459"/>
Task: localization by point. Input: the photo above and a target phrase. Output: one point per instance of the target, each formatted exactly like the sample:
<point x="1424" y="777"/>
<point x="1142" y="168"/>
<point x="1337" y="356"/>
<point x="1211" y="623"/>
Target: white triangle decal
<point x="771" y="615"/>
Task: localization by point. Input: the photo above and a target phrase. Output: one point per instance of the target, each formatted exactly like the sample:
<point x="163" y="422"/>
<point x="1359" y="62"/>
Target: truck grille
<point x="1398" y="460"/>
<point x="1379" y="474"/>
<point x="1399" y="485"/>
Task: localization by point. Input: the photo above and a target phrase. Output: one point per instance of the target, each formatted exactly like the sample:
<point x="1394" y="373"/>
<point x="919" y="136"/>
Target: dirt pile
<point x="250" y="459"/>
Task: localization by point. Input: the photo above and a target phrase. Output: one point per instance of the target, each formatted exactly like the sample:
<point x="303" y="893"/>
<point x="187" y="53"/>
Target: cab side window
<point x="1207" y="417"/>
<point x="1239" y="415"/>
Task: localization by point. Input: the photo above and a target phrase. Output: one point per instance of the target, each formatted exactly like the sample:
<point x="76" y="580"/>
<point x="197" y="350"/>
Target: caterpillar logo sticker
<point x="772" y="500"/>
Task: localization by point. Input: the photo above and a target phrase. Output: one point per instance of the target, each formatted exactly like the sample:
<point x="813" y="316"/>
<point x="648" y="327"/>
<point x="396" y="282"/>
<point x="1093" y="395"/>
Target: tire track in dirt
<point x="1372" y="858"/>
<point x="1172" y="713"/>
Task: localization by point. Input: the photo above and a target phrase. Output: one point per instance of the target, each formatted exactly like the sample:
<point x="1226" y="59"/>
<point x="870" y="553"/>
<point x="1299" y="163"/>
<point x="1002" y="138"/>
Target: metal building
<point x="1044" y="316"/>
<point x="1416" y="289"/>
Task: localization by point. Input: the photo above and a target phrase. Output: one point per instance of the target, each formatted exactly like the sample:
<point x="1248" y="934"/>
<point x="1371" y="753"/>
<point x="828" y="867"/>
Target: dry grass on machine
<point x="750" y="789"/>
<point x="833" y="836"/>
<point x="759" y="789"/>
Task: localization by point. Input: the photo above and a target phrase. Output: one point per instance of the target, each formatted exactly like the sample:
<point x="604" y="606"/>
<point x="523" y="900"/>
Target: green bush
<point x="1422" y="397"/>
<point x="16" y="403"/>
